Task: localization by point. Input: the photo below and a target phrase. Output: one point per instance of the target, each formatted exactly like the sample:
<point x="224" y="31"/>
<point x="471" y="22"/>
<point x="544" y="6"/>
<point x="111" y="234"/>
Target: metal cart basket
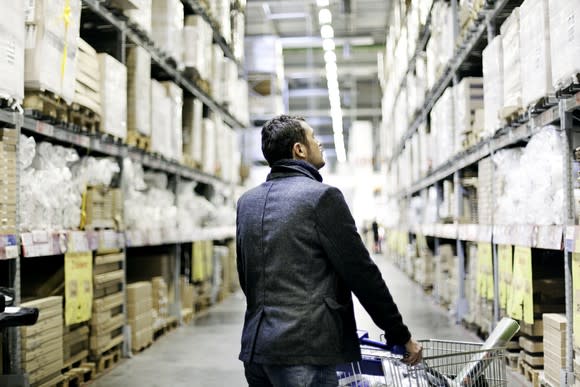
<point x="445" y="364"/>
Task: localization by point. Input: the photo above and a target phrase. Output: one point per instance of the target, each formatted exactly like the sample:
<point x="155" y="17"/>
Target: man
<point x="299" y="259"/>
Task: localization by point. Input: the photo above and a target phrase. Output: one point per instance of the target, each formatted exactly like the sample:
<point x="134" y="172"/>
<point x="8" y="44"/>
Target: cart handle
<point x="394" y="349"/>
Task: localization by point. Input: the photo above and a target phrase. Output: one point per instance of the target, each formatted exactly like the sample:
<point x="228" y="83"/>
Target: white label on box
<point x="11" y="252"/>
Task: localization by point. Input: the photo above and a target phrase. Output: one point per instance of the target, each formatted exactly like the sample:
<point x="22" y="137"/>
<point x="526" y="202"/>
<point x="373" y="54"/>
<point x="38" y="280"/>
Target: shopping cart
<point x="445" y="363"/>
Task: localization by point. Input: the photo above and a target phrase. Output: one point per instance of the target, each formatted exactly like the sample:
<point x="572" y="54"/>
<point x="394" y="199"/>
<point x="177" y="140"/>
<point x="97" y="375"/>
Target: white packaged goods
<point x="431" y="63"/>
<point x="564" y="41"/>
<point x="174" y="128"/>
<point x="209" y="146"/>
<point x="264" y="55"/>
<point x="412" y="30"/>
<point x="493" y="84"/>
<point x="197" y="36"/>
<point x="223" y="18"/>
<point x="416" y="158"/>
<point x="167" y="27"/>
<point x="113" y="96"/>
<point x="537" y="169"/>
<point x="401" y="117"/>
<point x="512" y="79"/>
<point x="443" y="128"/>
<point x="12" y="35"/>
<point x="238" y="33"/>
<point x="402" y="56"/>
<point x="192" y="129"/>
<point x="141" y="15"/>
<point x="216" y="78"/>
<point x="88" y="78"/>
<point x="468" y="102"/>
<point x="160" y="120"/>
<point x="139" y="91"/>
<point x="51" y="46"/>
<point x="535" y="51"/>
<point x="424" y="150"/>
<point x="229" y="78"/>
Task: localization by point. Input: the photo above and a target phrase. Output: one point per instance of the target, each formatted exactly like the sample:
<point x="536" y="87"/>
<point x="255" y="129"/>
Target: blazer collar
<point x="290" y="167"/>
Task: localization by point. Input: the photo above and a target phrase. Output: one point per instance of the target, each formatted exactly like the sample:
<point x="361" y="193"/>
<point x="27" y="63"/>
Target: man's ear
<point x="298" y="151"/>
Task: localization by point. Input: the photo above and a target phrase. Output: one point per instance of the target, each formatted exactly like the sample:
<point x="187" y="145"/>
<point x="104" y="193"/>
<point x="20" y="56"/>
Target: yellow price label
<point x="521" y="306"/>
<point x="485" y="272"/>
<point x="505" y="261"/>
<point x="78" y="287"/>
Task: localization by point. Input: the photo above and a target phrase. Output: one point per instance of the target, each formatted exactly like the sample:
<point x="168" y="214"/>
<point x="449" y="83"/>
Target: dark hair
<point x="279" y="135"/>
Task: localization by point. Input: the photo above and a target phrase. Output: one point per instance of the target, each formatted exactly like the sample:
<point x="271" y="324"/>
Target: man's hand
<point x="414" y="352"/>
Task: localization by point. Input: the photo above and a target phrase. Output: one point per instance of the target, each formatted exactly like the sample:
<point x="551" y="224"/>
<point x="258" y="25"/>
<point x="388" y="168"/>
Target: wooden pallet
<point x="512" y="359"/>
<point x="75" y="361"/>
<point x="45" y="105"/>
<point x="142" y="347"/>
<point x="83" y="119"/>
<point x="187" y="315"/>
<point x="569" y="86"/>
<point x="108" y="359"/>
<point x="188" y="161"/>
<point x="80" y="375"/>
<point x="513" y="116"/>
<point x="531" y="374"/>
<point x="138" y="140"/>
<point x="542" y="104"/>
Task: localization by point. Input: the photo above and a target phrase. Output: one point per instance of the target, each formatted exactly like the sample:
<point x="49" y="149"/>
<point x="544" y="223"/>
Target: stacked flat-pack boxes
<point x="75" y="343"/>
<point x="8" y="181"/>
<point x="88" y="78"/>
<point x="140" y="314"/>
<point x="512" y="75"/>
<point x="113" y="96"/>
<point x="138" y="91"/>
<point x="554" y="346"/>
<point x="104" y="208"/>
<point x="468" y="112"/>
<point x="141" y="15"/>
<point x="167" y="27"/>
<point x="564" y="41"/>
<point x="12" y="41"/>
<point x="42" y="344"/>
<point x="160" y="301"/>
<point x="193" y="131"/>
<point x="52" y="28"/>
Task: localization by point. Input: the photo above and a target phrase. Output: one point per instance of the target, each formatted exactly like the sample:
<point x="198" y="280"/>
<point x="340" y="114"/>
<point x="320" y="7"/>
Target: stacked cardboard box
<point x="223" y="16"/>
<point x="51" y="52"/>
<point x="12" y="57"/>
<point x="88" y="78"/>
<point x="238" y="33"/>
<point x="113" y="96"/>
<point x="75" y="343"/>
<point x="138" y="91"/>
<point x="193" y="131"/>
<point x="564" y="41"/>
<point x="8" y="181"/>
<point x="140" y="314"/>
<point x="42" y="343"/>
<point x="554" y="346"/>
<point x="141" y="16"/>
<point x="160" y="117"/>
<point x="187" y="291"/>
<point x="512" y="77"/>
<point x="531" y="343"/>
<point x="209" y="146"/>
<point x="443" y="127"/>
<point x="160" y="302"/>
<point x="197" y="38"/>
<point x="167" y="27"/>
<point x="107" y="318"/>
<point x="484" y="191"/>
<point x="468" y="112"/>
<point x="493" y="74"/>
<point x="104" y="208"/>
<point x="174" y="128"/>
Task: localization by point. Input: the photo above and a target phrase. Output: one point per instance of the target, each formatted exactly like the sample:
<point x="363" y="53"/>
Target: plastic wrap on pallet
<point x="141" y="15"/>
<point x="52" y="30"/>
<point x="192" y="129"/>
<point x="209" y="147"/>
<point x="443" y="128"/>
<point x="512" y="79"/>
<point x="12" y="39"/>
<point x="493" y="72"/>
<point x="535" y="51"/>
<point x="167" y="27"/>
<point x="160" y="117"/>
<point x="197" y="36"/>
<point x="138" y="90"/>
<point x="175" y="127"/>
<point x="113" y="77"/>
<point x="564" y="41"/>
<point x="468" y="101"/>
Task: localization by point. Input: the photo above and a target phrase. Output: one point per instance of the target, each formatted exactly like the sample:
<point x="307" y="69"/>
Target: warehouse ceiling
<point x="359" y="33"/>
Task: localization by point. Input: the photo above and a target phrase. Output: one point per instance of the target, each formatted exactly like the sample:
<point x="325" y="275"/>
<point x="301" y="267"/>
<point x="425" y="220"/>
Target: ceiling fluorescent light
<point x="329" y="56"/>
<point x="324" y="16"/>
<point x="322" y="3"/>
<point x="328" y="44"/>
<point x="327" y="32"/>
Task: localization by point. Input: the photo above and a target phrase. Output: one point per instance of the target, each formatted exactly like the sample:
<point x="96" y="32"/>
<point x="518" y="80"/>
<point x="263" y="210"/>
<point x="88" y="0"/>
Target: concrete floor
<point x="205" y="353"/>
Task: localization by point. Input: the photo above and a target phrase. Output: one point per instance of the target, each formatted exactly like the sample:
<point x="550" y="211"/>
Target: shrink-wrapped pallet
<point x="193" y="130"/>
<point x="141" y="15"/>
<point x="512" y="79"/>
<point x="167" y="27"/>
<point x="443" y="128"/>
<point x="12" y="35"/>
<point x="197" y="35"/>
<point x="564" y="41"/>
<point x="160" y="119"/>
<point x="209" y="141"/>
<point x="216" y="79"/>
<point x="51" y="46"/>
<point x="468" y="101"/>
<point x="535" y="51"/>
<point x="139" y="90"/>
<point x="113" y="96"/>
<point x="174" y="127"/>
<point x="493" y="84"/>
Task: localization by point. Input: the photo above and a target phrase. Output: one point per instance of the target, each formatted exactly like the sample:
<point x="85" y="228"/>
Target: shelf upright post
<point x="439" y="192"/>
<point x="462" y="305"/>
<point x="566" y="125"/>
<point x="176" y="307"/>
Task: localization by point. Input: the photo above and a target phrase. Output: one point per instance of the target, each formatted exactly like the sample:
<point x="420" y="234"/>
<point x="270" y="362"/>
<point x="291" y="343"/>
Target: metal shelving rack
<point x="556" y="237"/>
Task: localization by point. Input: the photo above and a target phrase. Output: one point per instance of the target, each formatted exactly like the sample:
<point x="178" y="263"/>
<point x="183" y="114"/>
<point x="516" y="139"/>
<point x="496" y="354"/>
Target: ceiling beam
<point x="362" y="112"/>
<point x="354" y="70"/>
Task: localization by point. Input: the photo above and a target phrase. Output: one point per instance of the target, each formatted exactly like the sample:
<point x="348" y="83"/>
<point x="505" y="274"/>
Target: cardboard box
<point x="512" y="76"/>
<point x="138" y="90"/>
<point x="493" y="84"/>
<point x="564" y="41"/>
<point x="193" y="130"/>
<point x="12" y="39"/>
<point x="167" y="26"/>
<point x="113" y="84"/>
<point x="141" y="16"/>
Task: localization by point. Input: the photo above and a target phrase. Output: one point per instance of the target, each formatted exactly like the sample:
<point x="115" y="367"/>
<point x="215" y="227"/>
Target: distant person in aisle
<point x="299" y="258"/>
<point x="376" y="237"/>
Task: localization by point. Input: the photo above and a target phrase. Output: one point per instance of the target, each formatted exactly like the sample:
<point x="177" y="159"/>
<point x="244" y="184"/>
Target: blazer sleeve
<point x="239" y="254"/>
<point x="352" y="262"/>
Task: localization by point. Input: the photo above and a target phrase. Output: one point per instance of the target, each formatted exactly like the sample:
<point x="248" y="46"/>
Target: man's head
<point x="290" y="137"/>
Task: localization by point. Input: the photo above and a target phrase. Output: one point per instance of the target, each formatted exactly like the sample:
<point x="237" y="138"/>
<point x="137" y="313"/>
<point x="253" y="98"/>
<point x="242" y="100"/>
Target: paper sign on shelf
<point x="505" y="260"/>
<point x="78" y="287"/>
<point x="521" y="306"/>
<point x="576" y="296"/>
<point x="485" y="272"/>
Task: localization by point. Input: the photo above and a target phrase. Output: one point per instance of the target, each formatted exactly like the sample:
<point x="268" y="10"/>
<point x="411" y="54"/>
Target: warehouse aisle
<point x="205" y="354"/>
